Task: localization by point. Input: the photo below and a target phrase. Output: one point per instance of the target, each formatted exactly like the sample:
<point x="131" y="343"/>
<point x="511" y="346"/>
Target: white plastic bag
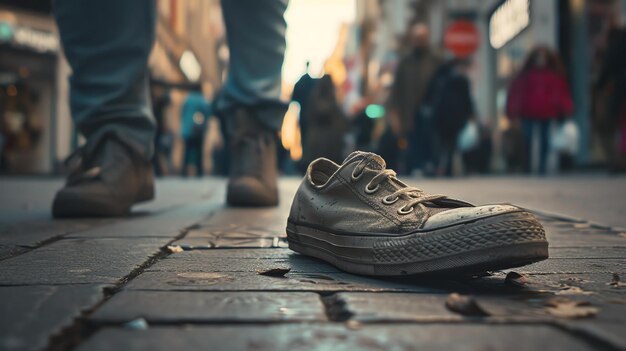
<point x="565" y="138"/>
<point x="468" y="137"/>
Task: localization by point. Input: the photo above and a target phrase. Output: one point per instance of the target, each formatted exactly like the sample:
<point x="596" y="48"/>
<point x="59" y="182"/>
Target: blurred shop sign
<point x="462" y="38"/>
<point x="507" y="21"/>
<point x="29" y="38"/>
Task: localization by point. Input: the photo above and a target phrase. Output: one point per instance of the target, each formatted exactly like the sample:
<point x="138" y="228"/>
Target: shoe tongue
<point x="374" y="161"/>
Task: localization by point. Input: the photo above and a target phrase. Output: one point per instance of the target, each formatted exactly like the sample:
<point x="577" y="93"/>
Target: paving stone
<point x="30" y="314"/>
<point x="586" y="242"/>
<point x="245" y="222"/>
<point x="339" y="337"/>
<point x="79" y="261"/>
<point x="591" y="240"/>
<point x="610" y="333"/>
<point x="404" y="307"/>
<point x="167" y="224"/>
<point x="243" y="254"/>
<point x="565" y="265"/>
<point x="588" y="252"/>
<point x="567" y="234"/>
<point x="395" y="307"/>
<point x="172" y="192"/>
<point x="7" y="251"/>
<point x="594" y="286"/>
<point x="222" y="242"/>
<point x="245" y="281"/>
<point x="210" y="261"/>
<point x="199" y="307"/>
<point x="29" y="199"/>
<point x="19" y="237"/>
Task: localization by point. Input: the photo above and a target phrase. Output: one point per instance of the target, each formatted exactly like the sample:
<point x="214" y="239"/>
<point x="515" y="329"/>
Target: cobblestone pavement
<point x="185" y="272"/>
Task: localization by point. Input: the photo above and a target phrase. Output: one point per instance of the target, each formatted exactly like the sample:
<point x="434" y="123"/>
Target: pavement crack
<point x="81" y="328"/>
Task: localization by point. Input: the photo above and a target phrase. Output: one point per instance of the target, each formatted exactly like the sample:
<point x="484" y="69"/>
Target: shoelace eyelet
<point x="404" y="211"/>
<point x="369" y="190"/>
<point x="356" y="177"/>
<point x="388" y="201"/>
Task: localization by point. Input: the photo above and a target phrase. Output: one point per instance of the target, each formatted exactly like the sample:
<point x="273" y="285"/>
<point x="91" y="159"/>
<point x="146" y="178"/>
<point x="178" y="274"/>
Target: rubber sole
<point x="76" y="205"/>
<point x="498" y="242"/>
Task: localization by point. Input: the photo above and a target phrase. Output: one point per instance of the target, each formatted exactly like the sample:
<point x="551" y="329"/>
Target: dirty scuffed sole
<point x="497" y="242"/>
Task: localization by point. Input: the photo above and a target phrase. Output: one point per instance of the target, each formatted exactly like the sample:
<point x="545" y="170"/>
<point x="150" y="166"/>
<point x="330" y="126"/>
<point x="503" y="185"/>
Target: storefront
<point x="28" y="92"/>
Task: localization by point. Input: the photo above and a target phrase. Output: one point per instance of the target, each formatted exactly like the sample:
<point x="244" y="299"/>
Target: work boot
<point x="359" y="217"/>
<point x="253" y="168"/>
<point x="105" y="182"/>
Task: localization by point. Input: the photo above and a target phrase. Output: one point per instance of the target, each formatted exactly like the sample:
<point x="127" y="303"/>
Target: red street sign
<point x="462" y="38"/>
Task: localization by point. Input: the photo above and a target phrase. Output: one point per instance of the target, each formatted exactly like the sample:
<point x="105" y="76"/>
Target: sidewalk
<point x="103" y="284"/>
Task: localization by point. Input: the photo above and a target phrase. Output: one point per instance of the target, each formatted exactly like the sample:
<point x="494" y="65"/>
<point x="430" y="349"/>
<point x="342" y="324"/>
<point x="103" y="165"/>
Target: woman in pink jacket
<point x="538" y="96"/>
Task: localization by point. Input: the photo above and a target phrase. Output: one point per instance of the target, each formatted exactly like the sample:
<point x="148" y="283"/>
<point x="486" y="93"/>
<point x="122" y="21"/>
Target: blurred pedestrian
<point x="411" y="135"/>
<point x="539" y="96"/>
<point x="363" y="126"/>
<point x="612" y="79"/>
<point x="302" y="91"/>
<point x="107" y="44"/>
<point x="326" y="125"/>
<point x="163" y="138"/>
<point x="447" y="106"/>
<point x="195" y="115"/>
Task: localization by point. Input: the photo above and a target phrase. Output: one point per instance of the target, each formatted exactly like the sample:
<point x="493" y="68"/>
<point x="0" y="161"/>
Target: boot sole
<point x="498" y="242"/>
<point x="69" y="206"/>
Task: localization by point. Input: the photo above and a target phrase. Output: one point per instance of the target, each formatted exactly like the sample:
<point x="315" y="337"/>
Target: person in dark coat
<point x="403" y="141"/>
<point x="447" y="106"/>
<point x="195" y="115"/>
<point x="612" y="78"/>
<point x="302" y="95"/>
<point x="326" y="126"/>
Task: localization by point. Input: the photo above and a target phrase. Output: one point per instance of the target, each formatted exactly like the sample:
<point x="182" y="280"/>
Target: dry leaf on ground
<point x="516" y="279"/>
<point x="275" y="272"/>
<point x="465" y="305"/>
<point x="174" y="249"/>
<point x="568" y="308"/>
<point x="573" y="290"/>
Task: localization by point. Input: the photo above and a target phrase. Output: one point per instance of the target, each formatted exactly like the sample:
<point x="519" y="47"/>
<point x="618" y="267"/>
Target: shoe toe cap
<point x="466" y="214"/>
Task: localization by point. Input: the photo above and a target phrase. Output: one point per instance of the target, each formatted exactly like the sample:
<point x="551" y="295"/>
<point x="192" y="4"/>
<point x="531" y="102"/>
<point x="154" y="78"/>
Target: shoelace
<point x="414" y="196"/>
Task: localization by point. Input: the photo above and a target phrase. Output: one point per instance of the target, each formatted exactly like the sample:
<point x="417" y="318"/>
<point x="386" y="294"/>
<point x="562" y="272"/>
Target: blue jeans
<point x="107" y="44"/>
<point x="422" y="145"/>
<point x="528" y="126"/>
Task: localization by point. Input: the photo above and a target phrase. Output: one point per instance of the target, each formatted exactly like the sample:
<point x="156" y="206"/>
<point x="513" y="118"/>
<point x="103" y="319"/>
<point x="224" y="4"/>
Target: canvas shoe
<point x="359" y="217"/>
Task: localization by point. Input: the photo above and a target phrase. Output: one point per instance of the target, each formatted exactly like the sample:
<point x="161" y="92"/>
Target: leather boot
<point x="106" y="182"/>
<point x="253" y="166"/>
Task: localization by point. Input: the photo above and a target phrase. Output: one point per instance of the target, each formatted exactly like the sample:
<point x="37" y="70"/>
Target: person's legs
<point x="199" y="161"/>
<point x="527" y="131"/>
<point x="107" y="44"/>
<point x="256" y="41"/>
<point x="416" y="146"/>
<point x="250" y="100"/>
<point x="544" y="145"/>
<point x="430" y="146"/>
<point x="184" y="170"/>
<point x="450" y="150"/>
